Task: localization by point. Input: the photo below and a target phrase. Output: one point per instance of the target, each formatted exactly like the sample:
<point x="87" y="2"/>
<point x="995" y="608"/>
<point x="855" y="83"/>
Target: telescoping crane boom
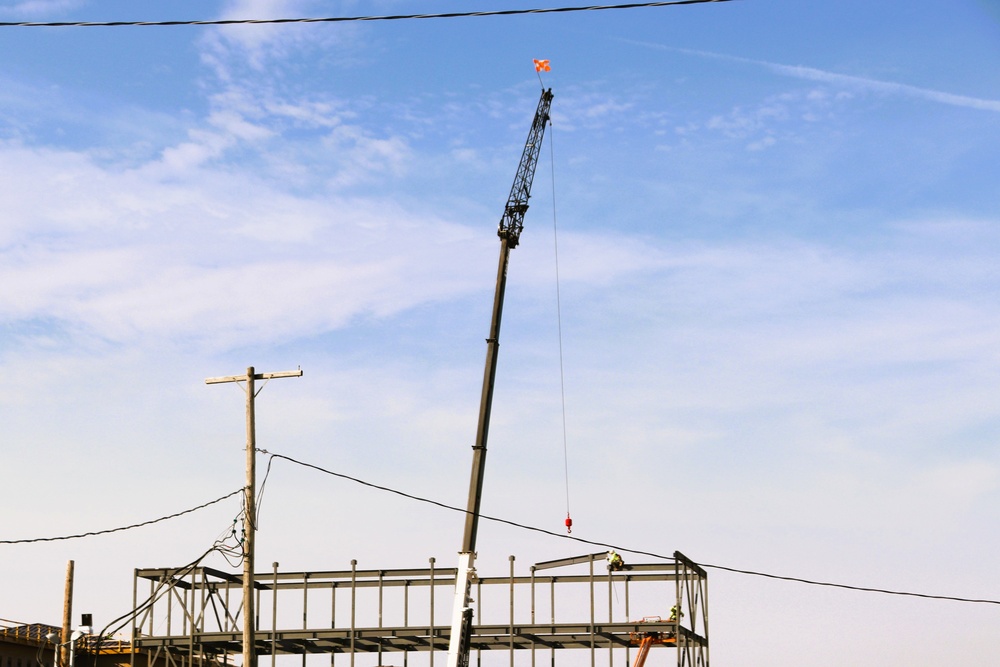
<point x="509" y="231"/>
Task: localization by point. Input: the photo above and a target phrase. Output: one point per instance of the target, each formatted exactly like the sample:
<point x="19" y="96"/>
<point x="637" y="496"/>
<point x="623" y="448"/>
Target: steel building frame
<point x="192" y="616"/>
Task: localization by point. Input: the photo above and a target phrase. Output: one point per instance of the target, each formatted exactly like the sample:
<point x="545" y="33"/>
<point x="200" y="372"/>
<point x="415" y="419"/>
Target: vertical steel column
<point x="479" y="614"/>
<point x="406" y="618"/>
<point x="611" y="644"/>
<point x="229" y="627"/>
<point x="704" y="608"/>
<point x="552" y="611"/>
<point x="152" y="592"/>
<point x="192" y="621"/>
<point x="431" y="633"/>
<point x="532" y="613"/>
<point x="170" y="607"/>
<point x="257" y="607"/>
<point x="201" y="615"/>
<point x="696" y="596"/>
<point x="135" y="605"/>
<point x="333" y="617"/>
<point x="274" y="612"/>
<point x="628" y="615"/>
<point x="593" y="639"/>
<point x="305" y="611"/>
<point x="682" y="645"/>
<point x="511" y="625"/>
<point x="354" y="600"/>
<point x="381" y="576"/>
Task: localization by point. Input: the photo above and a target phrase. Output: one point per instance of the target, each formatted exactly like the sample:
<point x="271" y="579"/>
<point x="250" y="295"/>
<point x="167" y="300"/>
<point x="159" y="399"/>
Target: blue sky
<point x="777" y="241"/>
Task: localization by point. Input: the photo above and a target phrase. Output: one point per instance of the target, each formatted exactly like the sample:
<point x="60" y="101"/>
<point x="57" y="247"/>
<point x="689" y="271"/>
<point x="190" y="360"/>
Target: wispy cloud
<point x="143" y="253"/>
<point x="35" y="9"/>
<point x="236" y="51"/>
<point x="889" y="87"/>
<point x="843" y="80"/>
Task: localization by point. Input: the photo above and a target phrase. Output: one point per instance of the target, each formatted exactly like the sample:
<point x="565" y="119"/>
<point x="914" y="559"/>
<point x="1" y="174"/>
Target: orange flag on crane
<point x="542" y="66"/>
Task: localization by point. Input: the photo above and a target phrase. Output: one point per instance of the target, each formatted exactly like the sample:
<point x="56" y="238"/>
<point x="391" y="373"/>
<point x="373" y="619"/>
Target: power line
<point x="864" y="589"/>
<point x="124" y="619"/>
<point x="799" y="580"/>
<point x="514" y="524"/>
<point x="459" y="509"/>
<point x="345" y="19"/>
<point x="117" y="530"/>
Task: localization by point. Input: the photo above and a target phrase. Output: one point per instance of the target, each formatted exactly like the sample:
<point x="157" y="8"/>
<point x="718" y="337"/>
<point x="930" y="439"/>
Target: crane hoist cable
<point x="562" y="373"/>
<point x="545" y="66"/>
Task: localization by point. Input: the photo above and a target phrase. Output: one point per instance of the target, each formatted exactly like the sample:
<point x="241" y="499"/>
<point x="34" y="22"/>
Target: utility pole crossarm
<point x="256" y="376"/>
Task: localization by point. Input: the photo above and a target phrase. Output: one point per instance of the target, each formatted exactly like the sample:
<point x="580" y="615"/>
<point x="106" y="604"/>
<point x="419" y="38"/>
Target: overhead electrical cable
<point x="122" y="528"/>
<point x="864" y="589"/>
<point x="158" y="592"/>
<point x="346" y="19"/>
<point x="457" y="509"/>
<point x="260" y="491"/>
<point x="522" y="526"/>
<point x="162" y="588"/>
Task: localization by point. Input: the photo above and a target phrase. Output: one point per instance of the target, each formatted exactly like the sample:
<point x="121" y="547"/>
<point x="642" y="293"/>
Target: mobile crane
<point x="509" y="231"/>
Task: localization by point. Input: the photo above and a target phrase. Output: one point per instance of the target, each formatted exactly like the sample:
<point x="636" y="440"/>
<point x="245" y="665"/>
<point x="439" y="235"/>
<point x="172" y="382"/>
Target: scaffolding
<point x="192" y="616"/>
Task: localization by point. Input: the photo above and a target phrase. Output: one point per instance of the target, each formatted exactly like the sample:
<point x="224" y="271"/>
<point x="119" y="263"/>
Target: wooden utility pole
<point x="250" y="505"/>
<point x="67" y="622"/>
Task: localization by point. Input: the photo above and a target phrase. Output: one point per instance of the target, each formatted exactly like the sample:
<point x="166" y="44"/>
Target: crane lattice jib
<point x="512" y="221"/>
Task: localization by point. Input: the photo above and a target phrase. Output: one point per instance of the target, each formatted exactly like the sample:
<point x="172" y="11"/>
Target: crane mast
<point x="509" y="231"/>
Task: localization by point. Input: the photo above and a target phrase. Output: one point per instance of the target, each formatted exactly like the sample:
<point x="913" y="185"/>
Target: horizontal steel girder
<point x="369" y="640"/>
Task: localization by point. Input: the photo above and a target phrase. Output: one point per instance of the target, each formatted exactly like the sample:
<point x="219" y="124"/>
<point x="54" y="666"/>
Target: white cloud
<point x="253" y="45"/>
<point x="37" y="9"/>
<point x="848" y="81"/>
<point x="583" y="109"/>
<point x="799" y="346"/>
<point x="364" y="155"/>
<point x="959" y="484"/>
<point x="234" y="52"/>
<point x="887" y="87"/>
<point x="762" y="144"/>
<point x="140" y="253"/>
<point x="203" y="147"/>
<point x="157" y="252"/>
<point x="307" y="112"/>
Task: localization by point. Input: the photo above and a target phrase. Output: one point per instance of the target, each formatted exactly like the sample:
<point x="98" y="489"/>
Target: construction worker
<point x="676" y="613"/>
<point x="615" y="561"/>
